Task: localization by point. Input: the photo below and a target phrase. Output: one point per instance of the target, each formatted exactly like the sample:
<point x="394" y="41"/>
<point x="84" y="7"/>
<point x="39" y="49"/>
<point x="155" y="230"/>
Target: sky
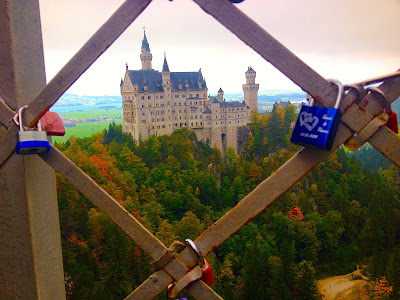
<point x="350" y="40"/>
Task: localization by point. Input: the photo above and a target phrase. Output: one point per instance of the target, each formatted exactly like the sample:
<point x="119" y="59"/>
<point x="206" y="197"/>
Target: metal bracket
<point x="356" y="141"/>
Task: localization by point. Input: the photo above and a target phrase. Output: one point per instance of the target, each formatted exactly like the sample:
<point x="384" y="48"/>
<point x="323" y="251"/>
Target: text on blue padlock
<point x="316" y="127"/>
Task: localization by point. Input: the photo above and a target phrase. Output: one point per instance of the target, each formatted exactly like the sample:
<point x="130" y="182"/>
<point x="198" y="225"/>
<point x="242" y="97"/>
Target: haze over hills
<point x="72" y="102"/>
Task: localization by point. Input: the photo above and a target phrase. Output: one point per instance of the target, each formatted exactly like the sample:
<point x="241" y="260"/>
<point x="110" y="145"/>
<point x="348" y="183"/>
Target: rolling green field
<point x="88" y="128"/>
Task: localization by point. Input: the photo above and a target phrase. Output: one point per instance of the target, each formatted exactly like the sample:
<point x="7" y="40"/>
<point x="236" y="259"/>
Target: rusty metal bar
<point x="144" y="238"/>
<point x="270" y="49"/>
<point x="378" y="79"/>
<point x="130" y="225"/>
<point x="85" y="57"/>
<point x="78" y="64"/>
<point x="280" y="181"/>
<point x="30" y="244"/>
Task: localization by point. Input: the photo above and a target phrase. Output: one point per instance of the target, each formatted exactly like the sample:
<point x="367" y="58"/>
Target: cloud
<point x="347" y="39"/>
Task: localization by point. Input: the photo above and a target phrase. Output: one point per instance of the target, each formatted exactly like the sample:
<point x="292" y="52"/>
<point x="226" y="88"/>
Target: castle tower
<point x="220" y="96"/>
<point x="146" y="56"/>
<point x="250" y="90"/>
<point x="166" y="74"/>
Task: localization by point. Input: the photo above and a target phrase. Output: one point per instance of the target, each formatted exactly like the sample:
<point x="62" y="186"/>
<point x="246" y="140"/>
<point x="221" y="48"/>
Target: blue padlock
<point x="316" y="126"/>
<point x="31" y="141"/>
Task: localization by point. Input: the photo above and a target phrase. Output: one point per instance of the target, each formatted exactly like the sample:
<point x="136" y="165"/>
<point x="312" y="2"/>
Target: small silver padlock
<point x="31" y="141"/>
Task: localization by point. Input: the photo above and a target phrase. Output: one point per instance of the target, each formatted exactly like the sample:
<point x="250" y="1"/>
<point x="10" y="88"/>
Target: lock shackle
<point x="196" y="250"/>
<point x="340" y="91"/>
<point x="21" y="128"/>
<point x="381" y="93"/>
<point x="339" y="95"/>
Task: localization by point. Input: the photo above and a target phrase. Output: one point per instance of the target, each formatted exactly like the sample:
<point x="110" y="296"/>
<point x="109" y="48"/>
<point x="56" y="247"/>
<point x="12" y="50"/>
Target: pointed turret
<point x="165" y="67"/>
<point x="145" y="43"/>
<point x="165" y="74"/>
<point x="145" y="55"/>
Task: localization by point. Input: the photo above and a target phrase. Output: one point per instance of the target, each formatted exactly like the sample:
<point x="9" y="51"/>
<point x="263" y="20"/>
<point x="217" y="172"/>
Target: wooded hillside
<point x="339" y="216"/>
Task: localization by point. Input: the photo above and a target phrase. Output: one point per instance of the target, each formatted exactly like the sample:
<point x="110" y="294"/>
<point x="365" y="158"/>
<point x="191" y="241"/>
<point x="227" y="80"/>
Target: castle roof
<point x="153" y="80"/>
<point x="214" y="99"/>
<point x="232" y="104"/>
<point x="250" y="69"/>
<point x="220" y="90"/>
<point x="150" y="78"/>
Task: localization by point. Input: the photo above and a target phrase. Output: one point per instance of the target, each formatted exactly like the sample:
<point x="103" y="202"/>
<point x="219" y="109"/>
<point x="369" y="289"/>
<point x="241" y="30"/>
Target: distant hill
<point x="74" y="100"/>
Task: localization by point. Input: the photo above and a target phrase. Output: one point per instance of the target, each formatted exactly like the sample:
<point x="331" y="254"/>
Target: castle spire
<point x="165" y="67"/>
<point x="145" y="43"/>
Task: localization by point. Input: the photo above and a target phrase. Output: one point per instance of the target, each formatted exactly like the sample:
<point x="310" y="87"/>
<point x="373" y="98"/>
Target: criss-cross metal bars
<point x="360" y="110"/>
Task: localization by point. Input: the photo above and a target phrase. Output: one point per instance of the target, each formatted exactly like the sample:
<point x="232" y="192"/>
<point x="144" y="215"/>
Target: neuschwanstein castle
<point x="157" y="103"/>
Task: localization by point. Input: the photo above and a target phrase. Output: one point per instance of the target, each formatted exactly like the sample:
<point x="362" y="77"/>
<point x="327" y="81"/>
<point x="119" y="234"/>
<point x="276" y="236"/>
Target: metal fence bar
<point x="130" y="225"/>
<point x="268" y="191"/>
<point x="77" y="65"/>
<point x="85" y="57"/>
<point x="270" y="49"/>
<point x="120" y="216"/>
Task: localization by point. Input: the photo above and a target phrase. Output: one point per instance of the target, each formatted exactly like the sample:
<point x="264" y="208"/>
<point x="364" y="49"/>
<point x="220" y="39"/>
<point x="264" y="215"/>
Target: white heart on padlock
<point x="308" y="120"/>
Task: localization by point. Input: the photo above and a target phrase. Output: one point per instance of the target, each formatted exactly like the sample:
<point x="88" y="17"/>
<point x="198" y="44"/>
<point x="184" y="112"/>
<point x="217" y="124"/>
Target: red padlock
<point x="392" y="122"/>
<point x="207" y="275"/>
<point x="52" y="124"/>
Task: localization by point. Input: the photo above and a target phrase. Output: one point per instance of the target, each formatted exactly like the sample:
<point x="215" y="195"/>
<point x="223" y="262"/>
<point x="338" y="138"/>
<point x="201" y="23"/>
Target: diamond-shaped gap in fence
<point x="310" y="161"/>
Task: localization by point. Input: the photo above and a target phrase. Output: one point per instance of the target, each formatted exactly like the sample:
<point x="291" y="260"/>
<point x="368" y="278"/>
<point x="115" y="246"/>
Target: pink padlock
<point x="52" y="124"/>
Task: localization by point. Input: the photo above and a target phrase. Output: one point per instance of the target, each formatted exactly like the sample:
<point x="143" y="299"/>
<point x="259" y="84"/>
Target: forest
<point x="343" y="215"/>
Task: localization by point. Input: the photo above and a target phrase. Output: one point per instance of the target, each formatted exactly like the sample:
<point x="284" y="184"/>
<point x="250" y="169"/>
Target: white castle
<point x="158" y="103"/>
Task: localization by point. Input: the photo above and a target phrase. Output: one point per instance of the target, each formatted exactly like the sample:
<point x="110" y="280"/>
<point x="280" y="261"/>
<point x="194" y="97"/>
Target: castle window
<point x="190" y="95"/>
<point x="143" y="121"/>
<point x="179" y="103"/>
<point x="201" y="123"/>
<point x="184" y="96"/>
<point x="191" y="124"/>
<point x="162" y="97"/>
<point x="156" y="97"/>
<point x="142" y="97"/>
<point x="197" y="95"/>
<point x="176" y="96"/>
<point x="148" y="97"/>
<point x="142" y="106"/>
<point x="200" y="102"/>
<point x="163" y="126"/>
